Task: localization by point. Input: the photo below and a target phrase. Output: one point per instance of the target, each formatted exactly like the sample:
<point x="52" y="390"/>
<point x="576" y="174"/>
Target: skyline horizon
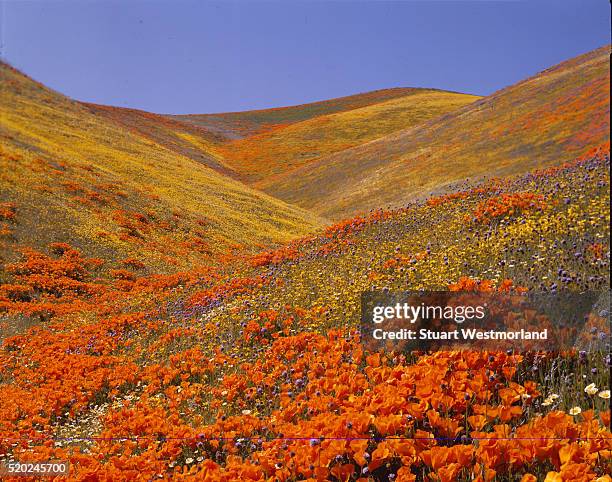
<point x="314" y="101"/>
<point x="190" y="57"/>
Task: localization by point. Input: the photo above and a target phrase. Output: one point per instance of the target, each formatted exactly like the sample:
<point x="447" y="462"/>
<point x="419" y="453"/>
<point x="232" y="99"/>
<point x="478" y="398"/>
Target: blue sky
<point x="203" y="56"/>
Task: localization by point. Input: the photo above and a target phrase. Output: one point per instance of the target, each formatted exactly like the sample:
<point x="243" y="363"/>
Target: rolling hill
<point x="259" y="158"/>
<point x="123" y="182"/>
<point x="541" y="121"/>
<point x="256" y="368"/>
<point x="266" y="376"/>
<point x="237" y="125"/>
<point x="69" y="173"/>
<point x="184" y="138"/>
<point x="254" y="146"/>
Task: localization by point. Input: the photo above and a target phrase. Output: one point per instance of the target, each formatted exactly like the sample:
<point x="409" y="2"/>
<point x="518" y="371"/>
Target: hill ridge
<point x="255" y="124"/>
<point x="262" y="156"/>
<point x="534" y="132"/>
<point x="71" y="175"/>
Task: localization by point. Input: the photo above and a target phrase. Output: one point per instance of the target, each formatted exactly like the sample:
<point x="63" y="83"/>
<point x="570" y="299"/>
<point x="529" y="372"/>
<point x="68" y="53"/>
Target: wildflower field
<point x="121" y="184"/>
<point x="288" y="147"/>
<point x="254" y="370"/>
<point x="556" y="114"/>
<point x="160" y="319"/>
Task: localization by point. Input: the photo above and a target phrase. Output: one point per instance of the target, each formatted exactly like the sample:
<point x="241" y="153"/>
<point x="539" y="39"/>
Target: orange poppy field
<point x="164" y="318"/>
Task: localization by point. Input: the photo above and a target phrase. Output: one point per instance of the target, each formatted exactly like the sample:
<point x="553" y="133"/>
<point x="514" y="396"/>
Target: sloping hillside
<point x="261" y="157"/>
<point x="184" y="138"/>
<point x="236" y="125"/>
<point x="541" y="121"/>
<point x="68" y="175"/>
<point x="263" y="375"/>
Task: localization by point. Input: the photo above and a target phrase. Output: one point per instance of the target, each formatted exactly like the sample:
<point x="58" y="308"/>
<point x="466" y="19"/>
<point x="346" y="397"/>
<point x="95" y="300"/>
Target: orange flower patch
<point x="508" y="204"/>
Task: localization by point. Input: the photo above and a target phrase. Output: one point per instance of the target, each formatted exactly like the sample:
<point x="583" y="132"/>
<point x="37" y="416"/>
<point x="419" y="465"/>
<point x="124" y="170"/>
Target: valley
<point x="180" y="295"/>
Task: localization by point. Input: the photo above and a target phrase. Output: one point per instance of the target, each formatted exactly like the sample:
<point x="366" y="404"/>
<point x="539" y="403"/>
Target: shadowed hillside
<point x="68" y="175"/>
<point x="541" y="121"/>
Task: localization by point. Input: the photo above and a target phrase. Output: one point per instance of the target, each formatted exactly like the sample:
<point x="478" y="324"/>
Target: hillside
<point x="252" y="366"/>
<point x="256" y="146"/>
<point x="538" y="122"/>
<point x="70" y="174"/>
<point x="259" y="158"/>
<point x="184" y="138"/>
<point x="262" y="375"/>
<point x="237" y="125"/>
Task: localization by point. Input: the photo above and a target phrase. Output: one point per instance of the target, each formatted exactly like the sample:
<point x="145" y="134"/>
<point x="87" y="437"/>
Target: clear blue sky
<point x="197" y="56"/>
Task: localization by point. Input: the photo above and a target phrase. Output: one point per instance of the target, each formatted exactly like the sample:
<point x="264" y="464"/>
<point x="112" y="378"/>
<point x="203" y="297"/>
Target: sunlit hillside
<point x="70" y="175"/>
<point x="236" y="125"/>
<point x="184" y="138"/>
<point x="262" y="376"/>
<point x="260" y="158"/>
<point x="161" y="320"/>
<point x="541" y="121"/>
